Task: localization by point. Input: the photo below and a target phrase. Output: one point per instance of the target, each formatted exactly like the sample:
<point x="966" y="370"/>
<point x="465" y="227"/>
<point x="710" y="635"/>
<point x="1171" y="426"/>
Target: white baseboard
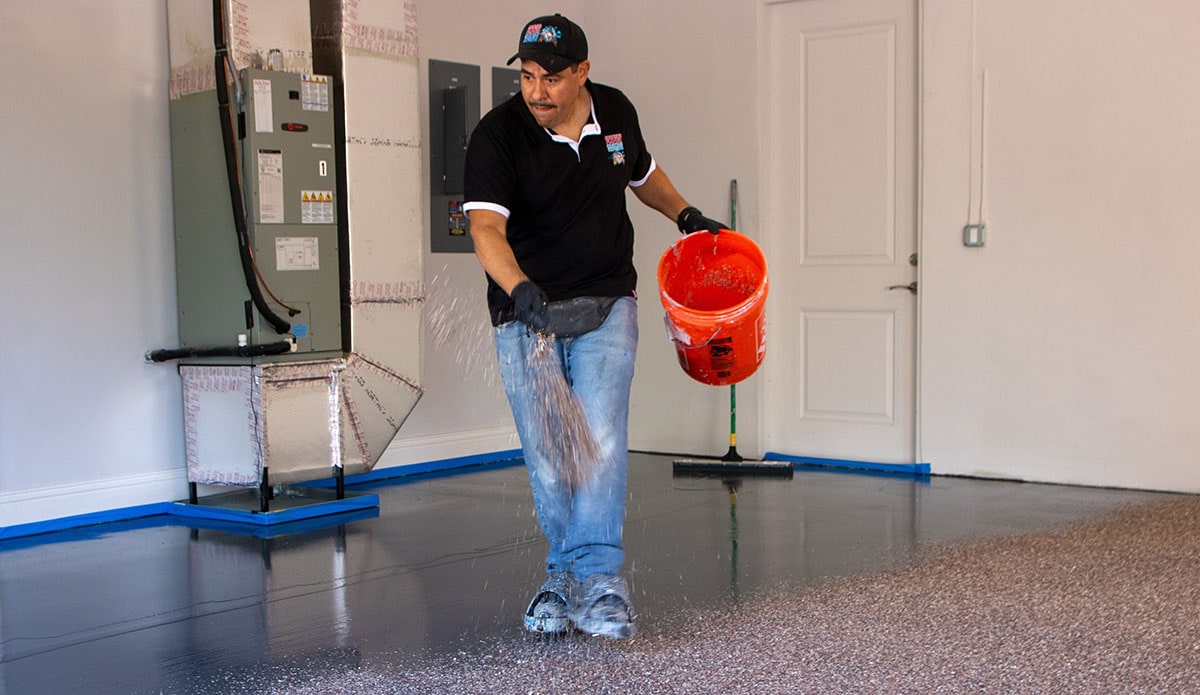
<point x="75" y="499"/>
<point x="440" y="447"/>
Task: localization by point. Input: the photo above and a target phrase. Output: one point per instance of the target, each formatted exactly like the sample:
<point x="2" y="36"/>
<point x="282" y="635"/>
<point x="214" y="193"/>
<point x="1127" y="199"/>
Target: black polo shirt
<point x="567" y="220"/>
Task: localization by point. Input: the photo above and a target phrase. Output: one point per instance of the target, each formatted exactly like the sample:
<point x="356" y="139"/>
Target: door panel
<point x="855" y="351"/>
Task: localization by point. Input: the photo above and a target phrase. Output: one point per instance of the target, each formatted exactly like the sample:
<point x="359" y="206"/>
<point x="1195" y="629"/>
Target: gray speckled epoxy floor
<point x="830" y="582"/>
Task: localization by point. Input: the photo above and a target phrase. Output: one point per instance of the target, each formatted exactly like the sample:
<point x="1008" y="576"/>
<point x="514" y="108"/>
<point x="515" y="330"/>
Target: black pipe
<point x="231" y="165"/>
<point x="225" y="351"/>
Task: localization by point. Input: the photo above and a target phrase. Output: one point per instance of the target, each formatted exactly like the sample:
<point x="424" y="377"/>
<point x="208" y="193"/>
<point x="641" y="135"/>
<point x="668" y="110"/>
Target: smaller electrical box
<point x="973" y="235"/>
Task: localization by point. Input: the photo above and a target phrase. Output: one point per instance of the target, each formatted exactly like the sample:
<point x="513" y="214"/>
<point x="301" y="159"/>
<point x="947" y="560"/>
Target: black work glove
<point x="692" y="220"/>
<point x="529" y="301"/>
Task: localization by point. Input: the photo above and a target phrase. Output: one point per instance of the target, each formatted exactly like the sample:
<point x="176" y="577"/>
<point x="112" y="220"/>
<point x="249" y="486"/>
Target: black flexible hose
<point x="231" y="165"/>
<point x="225" y="351"/>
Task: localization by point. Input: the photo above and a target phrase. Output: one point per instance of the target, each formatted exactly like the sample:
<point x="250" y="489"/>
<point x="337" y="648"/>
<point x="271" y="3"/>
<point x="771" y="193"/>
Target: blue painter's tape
<point x="313" y="510"/>
<point x="913" y="469"/>
<point x="38" y="528"/>
<point x="274" y="530"/>
<point x="299" y="330"/>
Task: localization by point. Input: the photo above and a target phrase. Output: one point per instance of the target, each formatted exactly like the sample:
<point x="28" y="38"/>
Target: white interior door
<point x="840" y="185"/>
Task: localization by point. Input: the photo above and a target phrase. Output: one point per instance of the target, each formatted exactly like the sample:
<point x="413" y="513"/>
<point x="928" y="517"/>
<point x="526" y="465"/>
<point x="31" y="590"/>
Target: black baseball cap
<point x="553" y="41"/>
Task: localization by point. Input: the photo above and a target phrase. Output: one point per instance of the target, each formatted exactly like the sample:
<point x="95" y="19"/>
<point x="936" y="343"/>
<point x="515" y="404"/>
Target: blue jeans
<point x="583" y="526"/>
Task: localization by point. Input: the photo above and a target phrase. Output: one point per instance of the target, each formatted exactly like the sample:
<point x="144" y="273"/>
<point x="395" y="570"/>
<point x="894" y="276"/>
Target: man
<point x="546" y="174"/>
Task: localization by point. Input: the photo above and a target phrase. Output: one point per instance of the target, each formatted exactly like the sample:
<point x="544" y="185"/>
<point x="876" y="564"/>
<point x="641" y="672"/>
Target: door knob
<point x="911" y="287"/>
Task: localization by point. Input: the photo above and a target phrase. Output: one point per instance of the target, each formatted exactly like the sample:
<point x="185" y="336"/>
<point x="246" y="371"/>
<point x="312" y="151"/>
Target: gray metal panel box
<point x="453" y="113"/>
<point x="506" y="83"/>
<point x="289" y="176"/>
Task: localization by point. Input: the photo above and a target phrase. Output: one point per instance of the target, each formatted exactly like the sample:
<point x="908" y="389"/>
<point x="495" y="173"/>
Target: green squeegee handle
<point x="732" y="454"/>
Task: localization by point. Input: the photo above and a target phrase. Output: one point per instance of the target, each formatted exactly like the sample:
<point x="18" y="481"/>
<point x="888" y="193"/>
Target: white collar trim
<point x="592" y="127"/>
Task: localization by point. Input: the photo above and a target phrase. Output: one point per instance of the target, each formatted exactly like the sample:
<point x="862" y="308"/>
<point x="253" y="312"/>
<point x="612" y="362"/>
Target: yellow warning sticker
<point x="314" y="92"/>
<point x="316" y="207"/>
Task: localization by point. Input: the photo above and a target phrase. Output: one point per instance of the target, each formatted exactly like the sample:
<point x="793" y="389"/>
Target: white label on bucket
<point x="674" y="333"/>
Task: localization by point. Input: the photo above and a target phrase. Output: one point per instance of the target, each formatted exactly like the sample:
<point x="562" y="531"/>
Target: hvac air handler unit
<point x="288" y="174"/>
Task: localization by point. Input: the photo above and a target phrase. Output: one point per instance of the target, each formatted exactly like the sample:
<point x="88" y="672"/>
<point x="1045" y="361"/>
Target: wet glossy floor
<point x="448" y="563"/>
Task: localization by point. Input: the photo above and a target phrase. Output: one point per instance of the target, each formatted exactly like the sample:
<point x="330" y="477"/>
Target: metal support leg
<point x="264" y="493"/>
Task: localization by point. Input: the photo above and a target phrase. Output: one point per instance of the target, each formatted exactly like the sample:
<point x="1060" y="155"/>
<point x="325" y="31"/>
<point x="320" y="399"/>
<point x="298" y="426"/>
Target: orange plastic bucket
<point x="714" y="288"/>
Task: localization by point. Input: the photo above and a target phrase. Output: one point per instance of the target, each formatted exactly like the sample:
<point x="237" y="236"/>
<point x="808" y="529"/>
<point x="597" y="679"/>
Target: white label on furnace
<point x="263" y="110"/>
<point x="316" y="207"/>
<point x="270" y="186"/>
<point x="297" y="253"/>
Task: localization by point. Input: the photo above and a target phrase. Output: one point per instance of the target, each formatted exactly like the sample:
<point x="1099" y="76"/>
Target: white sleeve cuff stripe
<point x="467" y="207"/>
<point x="639" y="182"/>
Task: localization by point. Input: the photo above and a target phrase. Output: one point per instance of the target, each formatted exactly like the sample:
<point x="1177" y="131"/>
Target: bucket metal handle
<point x="672" y="332"/>
<point x="705" y="344"/>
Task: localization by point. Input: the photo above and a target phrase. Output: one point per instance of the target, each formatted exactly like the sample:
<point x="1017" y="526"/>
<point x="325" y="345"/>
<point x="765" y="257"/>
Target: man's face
<point x="552" y="99"/>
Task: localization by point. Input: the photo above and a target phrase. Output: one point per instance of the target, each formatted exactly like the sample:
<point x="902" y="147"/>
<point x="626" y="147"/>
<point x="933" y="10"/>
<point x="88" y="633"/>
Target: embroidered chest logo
<point x="537" y="33"/>
<point x="616" y="149"/>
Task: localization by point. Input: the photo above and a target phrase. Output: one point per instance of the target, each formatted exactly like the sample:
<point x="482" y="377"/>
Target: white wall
<point x="1064" y="350"/>
<point x="87" y="281"/>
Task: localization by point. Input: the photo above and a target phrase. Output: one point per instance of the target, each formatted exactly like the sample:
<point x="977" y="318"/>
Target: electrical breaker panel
<point x="453" y="113"/>
<point x="285" y="143"/>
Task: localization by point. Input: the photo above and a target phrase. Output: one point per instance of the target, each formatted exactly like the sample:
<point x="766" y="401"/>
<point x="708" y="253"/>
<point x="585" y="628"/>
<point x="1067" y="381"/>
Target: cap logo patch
<point x="616" y="149"/>
<point x="540" y="33"/>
